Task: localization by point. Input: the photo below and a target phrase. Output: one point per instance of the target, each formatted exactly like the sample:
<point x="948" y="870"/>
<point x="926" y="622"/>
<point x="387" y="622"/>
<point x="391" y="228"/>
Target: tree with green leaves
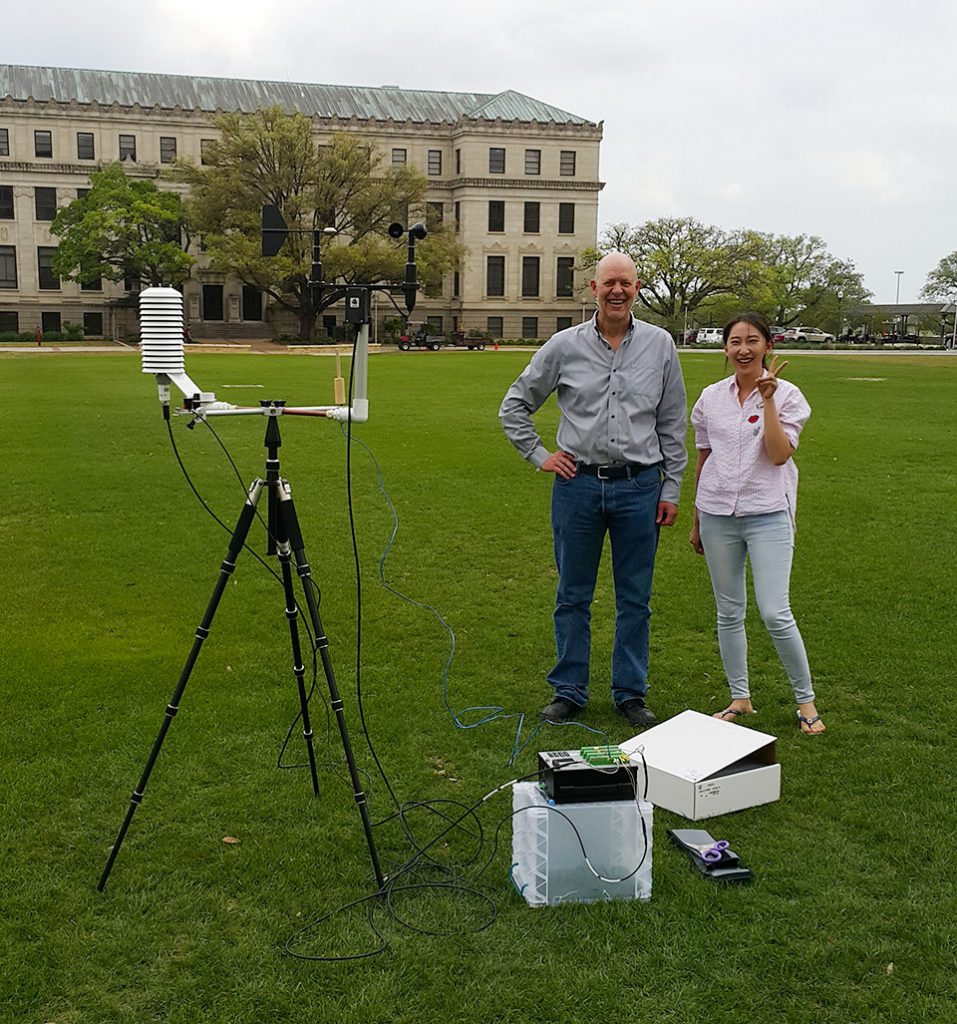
<point x="802" y="281"/>
<point x="271" y="157"/>
<point x="681" y="263"/>
<point x="122" y="227"/>
<point x="711" y="274"/>
<point x="941" y="284"/>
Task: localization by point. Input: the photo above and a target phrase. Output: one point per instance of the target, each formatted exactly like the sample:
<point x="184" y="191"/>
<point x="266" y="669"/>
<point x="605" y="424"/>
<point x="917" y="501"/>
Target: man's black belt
<point x="621" y="471"/>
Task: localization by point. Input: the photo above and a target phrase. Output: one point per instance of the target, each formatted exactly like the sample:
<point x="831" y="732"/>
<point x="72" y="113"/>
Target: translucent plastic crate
<point x="548" y="866"/>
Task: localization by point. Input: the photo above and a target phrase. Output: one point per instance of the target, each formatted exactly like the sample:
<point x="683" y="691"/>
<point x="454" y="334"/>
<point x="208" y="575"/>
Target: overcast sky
<point x="831" y="118"/>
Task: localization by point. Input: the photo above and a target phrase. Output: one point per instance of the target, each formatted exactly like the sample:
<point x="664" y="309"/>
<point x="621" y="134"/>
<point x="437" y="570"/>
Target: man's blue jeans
<point x="583" y="510"/>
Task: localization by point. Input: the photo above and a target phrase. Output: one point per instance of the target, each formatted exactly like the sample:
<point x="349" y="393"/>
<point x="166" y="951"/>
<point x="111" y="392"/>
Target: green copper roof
<point x="63" y="85"/>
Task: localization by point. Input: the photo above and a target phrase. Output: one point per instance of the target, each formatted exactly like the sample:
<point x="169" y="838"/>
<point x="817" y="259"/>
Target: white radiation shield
<point x="162" y="353"/>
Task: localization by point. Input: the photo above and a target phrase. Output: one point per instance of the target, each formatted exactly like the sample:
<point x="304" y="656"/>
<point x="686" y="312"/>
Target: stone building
<point x="516" y="176"/>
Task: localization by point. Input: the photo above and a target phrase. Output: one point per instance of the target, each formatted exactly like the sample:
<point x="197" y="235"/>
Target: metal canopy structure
<point x="897" y="314"/>
<point x="869" y="309"/>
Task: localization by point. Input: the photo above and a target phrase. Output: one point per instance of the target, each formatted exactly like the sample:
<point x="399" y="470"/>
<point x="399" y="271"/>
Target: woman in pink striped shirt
<point x="746" y="429"/>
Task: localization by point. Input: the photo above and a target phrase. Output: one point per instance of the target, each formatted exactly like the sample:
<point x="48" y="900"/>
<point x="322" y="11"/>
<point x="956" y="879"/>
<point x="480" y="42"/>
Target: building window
<point x="533" y="161"/>
<point x="44" y="200"/>
<point x="399" y="157"/>
<point x="93" y="325"/>
<point x="8" y="266"/>
<point x="128" y="147"/>
<point x="434" y="322"/>
<point x="434" y="165"/>
<point x="434" y="214"/>
<point x="496" y="215"/>
<point x="458" y="216"/>
<point x="565" y="277"/>
<point x="167" y="149"/>
<point x="85" y="148"/>
<point x="495" y="326"/>
<point x="329" y="325"/>
<point x="94" y="284"/>
<point x="566" y="218"/>
<point x="207" y="150"/>
<point x="6" y="202"/>
<point x="9" y="321"/>
<point x="456" y="284"/>
<point x="530" y="276"/>
<point x="529" y="326"/>
<point x="458" y="161"/>
<point x="563" y="323"/>
<point x="532" y="218"/>
<point x="4" y="142"/>
<point x="43" y="144"/>
<point x="496" y="160"/>
<point x="82" y="193"/>
<point x="50" y="322"/>
<point x="495" y="275"/>
<point x="566" y="163"/>
<point x="47" y="278"/>
<point x="131" y="283"/>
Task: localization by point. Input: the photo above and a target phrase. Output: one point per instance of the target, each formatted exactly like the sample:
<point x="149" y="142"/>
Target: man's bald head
<point x="615" y="287"/>
<point x="615" y="263"/>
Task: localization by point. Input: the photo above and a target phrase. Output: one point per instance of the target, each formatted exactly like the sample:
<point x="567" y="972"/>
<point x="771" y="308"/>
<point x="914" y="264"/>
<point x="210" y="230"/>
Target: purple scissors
<point x="710" y="852"/>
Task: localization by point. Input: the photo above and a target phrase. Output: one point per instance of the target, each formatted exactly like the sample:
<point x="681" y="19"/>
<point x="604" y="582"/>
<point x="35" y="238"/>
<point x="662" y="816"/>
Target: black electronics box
<point x="568" y="778"/>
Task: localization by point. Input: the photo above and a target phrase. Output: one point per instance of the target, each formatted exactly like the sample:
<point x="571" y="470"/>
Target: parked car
<point x="709" y="335"/>
<point x="807" y="334"/>
<point x="691" y="336"/>
<point x="777" y="333"/>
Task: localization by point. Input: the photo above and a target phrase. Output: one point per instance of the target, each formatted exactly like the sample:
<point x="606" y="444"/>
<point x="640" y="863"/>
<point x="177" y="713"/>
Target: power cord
<point x="493" y="713"/>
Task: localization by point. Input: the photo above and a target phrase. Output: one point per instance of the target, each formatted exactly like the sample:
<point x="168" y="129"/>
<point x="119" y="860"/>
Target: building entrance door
<point x="212" y="302"/>
<point x="252" y="303"/>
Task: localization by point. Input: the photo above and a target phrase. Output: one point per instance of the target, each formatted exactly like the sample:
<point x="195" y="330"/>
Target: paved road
<point x="271" y="348"/>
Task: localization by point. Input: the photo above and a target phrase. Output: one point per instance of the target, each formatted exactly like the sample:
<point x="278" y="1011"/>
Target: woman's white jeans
<point x="768" y="541"/>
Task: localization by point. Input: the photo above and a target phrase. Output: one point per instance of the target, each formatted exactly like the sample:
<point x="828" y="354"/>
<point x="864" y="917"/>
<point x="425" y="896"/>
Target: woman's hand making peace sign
<point x="768" y="382"/>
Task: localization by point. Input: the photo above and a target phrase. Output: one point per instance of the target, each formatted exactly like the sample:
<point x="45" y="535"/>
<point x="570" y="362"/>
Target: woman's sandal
<point x="809" y="722"/>
<point x="737" y="712"/>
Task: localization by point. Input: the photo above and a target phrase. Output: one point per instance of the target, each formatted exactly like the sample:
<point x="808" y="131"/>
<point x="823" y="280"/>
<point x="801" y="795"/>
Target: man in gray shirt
<point x="621" y="454"/>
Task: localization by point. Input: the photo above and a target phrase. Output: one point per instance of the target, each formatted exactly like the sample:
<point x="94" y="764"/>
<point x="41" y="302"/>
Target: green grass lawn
<point x="108" y="562"/>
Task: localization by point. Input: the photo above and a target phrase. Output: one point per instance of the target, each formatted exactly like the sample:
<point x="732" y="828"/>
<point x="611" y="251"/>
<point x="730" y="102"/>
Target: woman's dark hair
<point x="758" y="320"/>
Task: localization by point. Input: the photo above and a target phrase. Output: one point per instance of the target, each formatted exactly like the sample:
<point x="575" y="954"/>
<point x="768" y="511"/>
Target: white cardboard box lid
<point x="693" y="746"/>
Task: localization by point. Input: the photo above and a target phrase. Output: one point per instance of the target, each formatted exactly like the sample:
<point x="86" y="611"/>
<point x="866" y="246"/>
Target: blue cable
<point x="493" y="712"/>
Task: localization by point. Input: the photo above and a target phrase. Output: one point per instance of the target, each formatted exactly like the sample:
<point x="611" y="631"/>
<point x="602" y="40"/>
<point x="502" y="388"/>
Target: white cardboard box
<point x="700" y="766"/>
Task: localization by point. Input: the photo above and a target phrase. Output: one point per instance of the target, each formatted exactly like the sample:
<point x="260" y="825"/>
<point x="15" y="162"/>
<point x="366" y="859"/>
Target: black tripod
<point x="285" y="541"/>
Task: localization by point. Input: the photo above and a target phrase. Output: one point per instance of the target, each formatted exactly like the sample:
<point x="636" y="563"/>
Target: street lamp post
<point x="898" y="299"/>
<point x="953" y="337"/>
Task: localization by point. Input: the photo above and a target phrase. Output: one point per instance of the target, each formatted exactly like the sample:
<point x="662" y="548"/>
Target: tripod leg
<point x="202" y="631"/>
<point x="291" y="530"/>
<point x="299" y="670"/>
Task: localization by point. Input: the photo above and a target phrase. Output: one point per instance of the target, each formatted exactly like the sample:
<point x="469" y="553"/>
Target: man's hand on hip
<point x="562" y="463"/>
<point x="667" y="513"/>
